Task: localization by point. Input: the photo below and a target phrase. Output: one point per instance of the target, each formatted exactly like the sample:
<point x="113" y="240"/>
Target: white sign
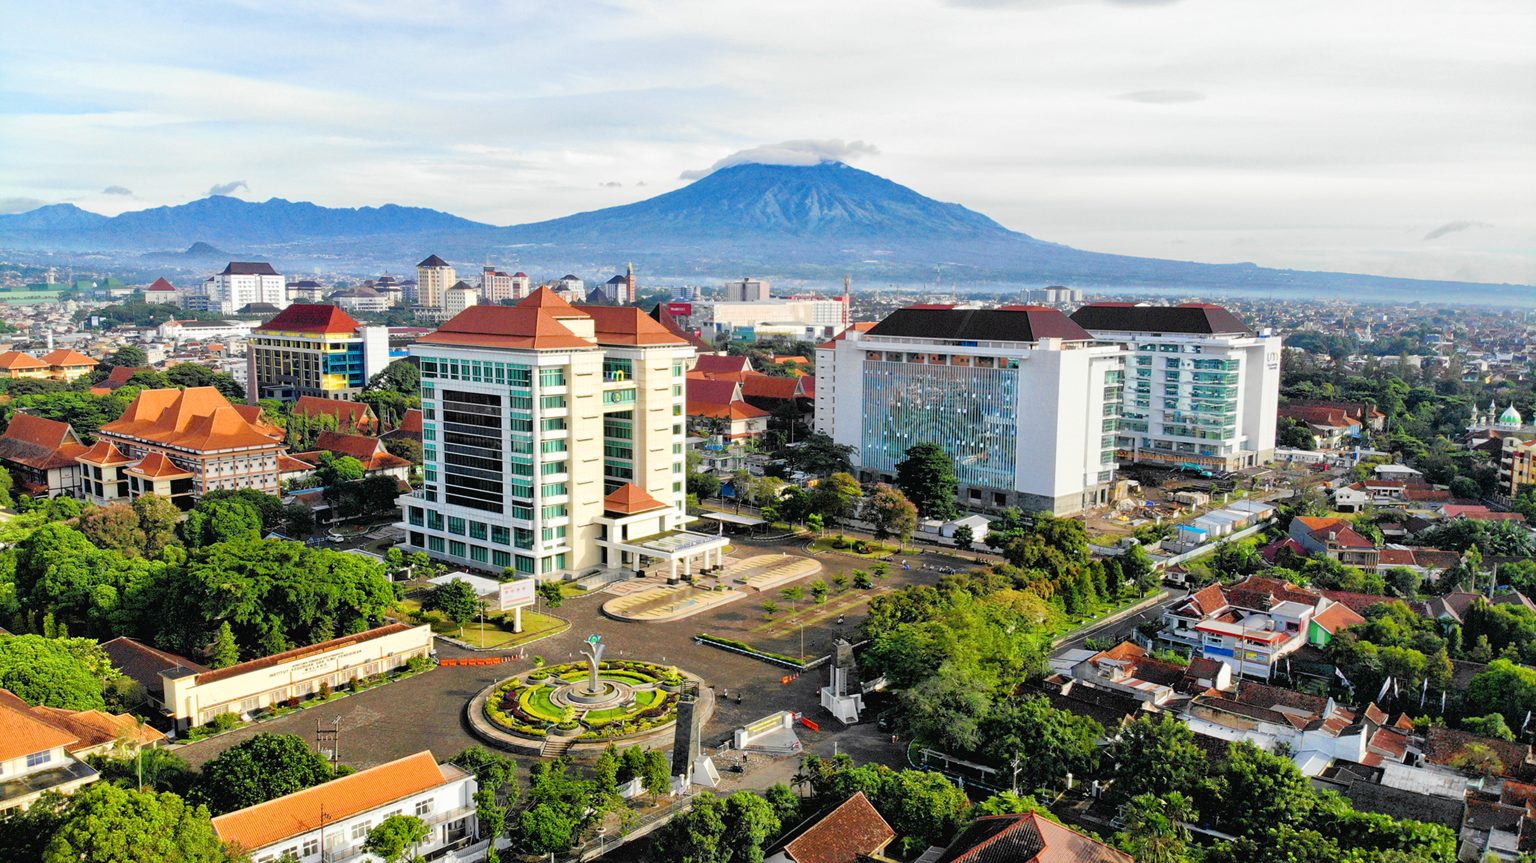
<point x="516" y="594"/>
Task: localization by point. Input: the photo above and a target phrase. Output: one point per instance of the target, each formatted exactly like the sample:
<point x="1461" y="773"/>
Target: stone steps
<point x="556" y="747"/>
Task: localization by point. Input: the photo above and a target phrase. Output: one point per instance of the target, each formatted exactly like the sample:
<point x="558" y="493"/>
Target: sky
<point x="1383" y="136"/>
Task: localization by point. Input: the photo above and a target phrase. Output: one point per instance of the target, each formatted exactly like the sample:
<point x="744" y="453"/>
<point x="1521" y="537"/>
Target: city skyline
<point x="1190" y="130"/>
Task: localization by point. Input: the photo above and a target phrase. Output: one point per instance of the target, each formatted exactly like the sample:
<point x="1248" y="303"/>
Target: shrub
<point x="420" y="663"/>
<point x="223" y="722"/>
<point x="538" y="661"/>
<point x="325" y="689"/>
<point x="861" y="547"/>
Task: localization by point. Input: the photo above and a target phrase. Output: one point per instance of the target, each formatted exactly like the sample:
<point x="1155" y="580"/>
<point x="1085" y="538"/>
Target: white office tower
<point x="1201" y="389"/>
<point x="1023" y="400"/>
<point x="552" y="442"/>
<point x="434" y="276"/>
<point x="746" y="290"/>
<point x="244" y="282"/>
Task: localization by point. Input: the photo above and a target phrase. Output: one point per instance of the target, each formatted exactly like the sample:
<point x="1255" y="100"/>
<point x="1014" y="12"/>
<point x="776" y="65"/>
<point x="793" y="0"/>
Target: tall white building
<point x="244" y="282"/>
<point x="552" y="442"/>
<point x="1023" y="400"/>
<point x="496" y="286"/>
<point x="434" y="276"/>
<point x="1202" y="388"/>
<point x="746" y="290"/>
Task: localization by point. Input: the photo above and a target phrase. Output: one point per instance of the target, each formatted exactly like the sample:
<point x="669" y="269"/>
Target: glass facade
<point x="472" y="450"/>
<point x="968" y="410"/>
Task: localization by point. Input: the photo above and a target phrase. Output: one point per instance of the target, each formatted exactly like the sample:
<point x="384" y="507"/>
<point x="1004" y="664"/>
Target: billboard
<point x="680" y="310"/>
<point x="515" y="594"/>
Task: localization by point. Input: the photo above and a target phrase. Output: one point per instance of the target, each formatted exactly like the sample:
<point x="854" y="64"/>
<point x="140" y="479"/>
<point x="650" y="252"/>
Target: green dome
<point x="1510" y="417"/>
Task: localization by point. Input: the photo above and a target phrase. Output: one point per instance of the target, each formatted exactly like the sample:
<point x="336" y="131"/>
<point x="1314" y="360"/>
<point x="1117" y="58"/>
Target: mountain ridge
<point x="814" y="222"/>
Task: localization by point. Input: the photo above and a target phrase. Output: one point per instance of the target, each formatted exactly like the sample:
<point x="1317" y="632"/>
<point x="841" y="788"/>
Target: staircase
<point x="554" y="747"/>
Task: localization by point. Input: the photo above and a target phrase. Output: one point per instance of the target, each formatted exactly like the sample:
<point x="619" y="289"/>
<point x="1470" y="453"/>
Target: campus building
<point x="434" y="276"/>
<point x="194" y="697"/>
<point x="329" y="823"/>
<point x="534" y="415"/>
<point x="40" y="454"/>
<point x="792" y="317"/>
<point x="180" y="444"/>
<point x="1024" y="401"/>
<point x="242" y="283"/>
<point x="314" y="350"/>
<point x="1202" y="388"/>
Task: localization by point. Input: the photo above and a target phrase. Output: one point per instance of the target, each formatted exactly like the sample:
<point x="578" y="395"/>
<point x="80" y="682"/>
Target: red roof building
<point x="40" y="453"/>
<point x="1028" y="838"/>
<point x="349" y="416"/>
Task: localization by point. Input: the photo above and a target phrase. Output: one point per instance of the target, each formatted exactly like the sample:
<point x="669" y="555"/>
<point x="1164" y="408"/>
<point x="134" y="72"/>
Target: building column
<point x="688" y="565"/>
<point x="517" y="619"/>
<point x="674" y="570"/>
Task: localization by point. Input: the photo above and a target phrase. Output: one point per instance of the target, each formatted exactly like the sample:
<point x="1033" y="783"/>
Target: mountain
<point x="223" y="220"/>
<point x="811" y="222"/>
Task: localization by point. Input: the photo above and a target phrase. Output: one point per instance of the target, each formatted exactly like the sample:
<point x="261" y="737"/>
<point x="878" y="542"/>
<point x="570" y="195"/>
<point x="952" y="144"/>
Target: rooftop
<point x="1191" y="318"/>
<point x="312" y="318"/>
<point x="196" y="418"/>
<point x="1008" y="324"/>
<point x="248" y="268"/>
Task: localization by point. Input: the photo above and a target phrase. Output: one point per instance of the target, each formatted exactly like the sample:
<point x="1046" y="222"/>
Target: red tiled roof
<point x="1335" y="618"/>
<point x="622" y="325"/>
<point x="1029" y="838"/>
<point x="39" y="443"/>
<point x="98" y="727"/>
<point x="769" y="387"/>
<point x="1358" y="602"/>
<point x="732" y="411"/>
<point x="104" y="453"/>
<point x="712" y="391"/>
<point x="161" y="284"/>
<point x="1343" y="537"/>
<point x="311" y="318"/>
<point x="259" y="826"/>
<point x="717" y="364"/>
<point x="119" y="376"/>
<point x="847" y="834"/>
<point x="16" y="360"/>
<point x="22" y="732"/>
<point x="157" y="466"/>
<point x="1443" y="745"/>
<point x="547" y="300"/>
<point x="288" y="464"/>
<point x="411" y="422"/>
<point x="1316" y="523"/>
<point x="630" y="499"/>
<point x="64" y="357"/>
<point x="196" y="418"/>
<point x="368" y="450"/>
<point x="348" y="414"/>
<point x="218" y="674"/>
<point x="520" y="327"/>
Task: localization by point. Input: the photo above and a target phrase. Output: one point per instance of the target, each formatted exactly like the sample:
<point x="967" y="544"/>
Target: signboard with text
<point x="680" y="310"/>
<point x="516" y="594"/>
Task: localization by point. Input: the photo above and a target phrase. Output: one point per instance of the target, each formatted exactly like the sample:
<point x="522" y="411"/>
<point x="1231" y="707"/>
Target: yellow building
<point x="434" y="276"/>
<point x="15" y="364"/>
<point x="67" y="365"/>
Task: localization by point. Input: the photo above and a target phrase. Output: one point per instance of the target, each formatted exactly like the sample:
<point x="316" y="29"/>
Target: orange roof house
<point x="368" y="450"/>
<point x="67" y="365"/>
<point x="286" y="818"/>
<point x="851" y="832"/>
<point x="349" y="415"/>
<point x="41" y="454"/>
<point x="15" y="364"/>
<point x="1027" y="838"/>
<point x="183" y="443"/>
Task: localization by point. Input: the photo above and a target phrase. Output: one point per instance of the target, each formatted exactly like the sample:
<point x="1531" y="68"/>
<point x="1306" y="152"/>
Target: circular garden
<point x="631" y="698"/>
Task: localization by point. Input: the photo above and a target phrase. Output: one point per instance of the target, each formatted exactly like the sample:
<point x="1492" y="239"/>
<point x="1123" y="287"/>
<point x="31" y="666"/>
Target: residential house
<point x="1335" y="538"/>
<point x="1331" y="427"/>
<point x="349" y="416"/>
<point x="1129" y="669"/>
<point x="40" y="454"/>
<point x="15" y="364"/>
<point x="1315" y="730"/>
<point x="1250" y="625"/>
<point x="67" y="365"/>
<point x="716" y="407"/>
<point x="330" y="822"/>
<point x="850" y="832"/>
<point x="370" y="451"/>
<point x="1027" y="838"/>
<point x="34" y="756"/>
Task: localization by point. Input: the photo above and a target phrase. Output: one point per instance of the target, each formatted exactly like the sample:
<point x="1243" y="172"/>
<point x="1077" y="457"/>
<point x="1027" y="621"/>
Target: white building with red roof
<point x="534" y="416"/>
<point x="314" y="350"/>
<point x="1253" y="624"/>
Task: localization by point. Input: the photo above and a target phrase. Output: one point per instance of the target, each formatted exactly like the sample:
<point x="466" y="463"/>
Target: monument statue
<point x="593" y="651"/>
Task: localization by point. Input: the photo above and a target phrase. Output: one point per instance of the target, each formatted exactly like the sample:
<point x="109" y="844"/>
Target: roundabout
<point x="582" y="705"/>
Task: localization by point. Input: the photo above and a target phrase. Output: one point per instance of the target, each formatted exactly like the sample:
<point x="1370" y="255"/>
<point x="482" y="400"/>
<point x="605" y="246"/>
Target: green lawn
<point x="495" y="632"/>
<point x="643" y="700"/>
<point x="876" y="549"/>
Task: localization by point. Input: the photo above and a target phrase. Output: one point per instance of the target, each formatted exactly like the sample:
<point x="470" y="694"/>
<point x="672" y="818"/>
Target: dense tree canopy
<point x="927" y="477"/>
<point x="262" y="768"/>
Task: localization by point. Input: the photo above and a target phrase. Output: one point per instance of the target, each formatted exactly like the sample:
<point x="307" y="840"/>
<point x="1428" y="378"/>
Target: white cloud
<point x="228" y="188"/>
<point x="117" y="190"/>
<point x="803" y="152"/>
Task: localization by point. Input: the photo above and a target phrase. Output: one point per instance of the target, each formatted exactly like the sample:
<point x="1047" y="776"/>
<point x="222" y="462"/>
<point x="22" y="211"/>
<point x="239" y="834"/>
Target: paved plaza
<point x="428" y="711"/>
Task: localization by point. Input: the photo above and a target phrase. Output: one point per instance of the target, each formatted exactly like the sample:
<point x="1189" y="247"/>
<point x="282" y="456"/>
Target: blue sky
<point x="1388" y="136"/>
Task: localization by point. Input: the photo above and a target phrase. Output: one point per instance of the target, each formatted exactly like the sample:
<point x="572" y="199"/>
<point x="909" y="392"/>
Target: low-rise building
<point x="1334" y="538"/>
<point x="40" y="454"/>
<point x="34" y="756"/>
<point x="15" y="365"/>
<point x="67" y="365"/>
<point x="329" y="823"/>
<point x="1026" y="838"/>
<point x="196" y="697"/>
<point x="1253" y="624"/>
<point x="350" y="417"/>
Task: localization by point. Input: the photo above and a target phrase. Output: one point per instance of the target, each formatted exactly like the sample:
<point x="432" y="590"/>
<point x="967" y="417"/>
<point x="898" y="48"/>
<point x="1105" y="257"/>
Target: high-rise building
<point x="313" y="350"/>
<point x="496" y="286"/>
<point x="244" y="282"/>
<point x="620" y="290"/>
<point x="552" y="441"/>
<point x="746" y="290"/>
<point x="1023" y="400"/>
<point x="1202" y="388"/>
<point x="434" y="276"/>
<point x="458" y="298"/>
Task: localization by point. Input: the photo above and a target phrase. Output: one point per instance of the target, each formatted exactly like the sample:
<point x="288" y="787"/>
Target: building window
<point x="477" y="530"/>
<point x="554" y="377"/>
<point x="435" y="543"/>
<point x="501" y="558"/>
<point x="311" y="847"/>
<point x="37" y="758"/>
<point x="360" y="830"/>
<point x="500" y="535"/>
<point x="478" y="553"/>
<point x="455" y="525"/>
<point x="455" y="548"/>
<point x="423" y="808"/>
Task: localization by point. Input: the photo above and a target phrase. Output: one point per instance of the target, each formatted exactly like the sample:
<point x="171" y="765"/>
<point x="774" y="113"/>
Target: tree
<point x="496" y="793"/>
<point x="785" y="803"/>
<point x="1258" y="790"/>
<point x="819" y="591"/>
<point x="400" y="376"/>
<point x="965" y="537"/>
<point x="1009" y="803"/>
<point x="1154" y="828"/>
<point x="1504" y="687"/>
<point x="1136" y="568"/>
<point x="732" y="829"/>
<point x="456" y="600"/>
<point x="194" y="375"/>
<point x="1041" y="743"/>
<point x="334" y="471"/>
<point x="1154" y="756"/>
<point x="158" y="518"/>
<point x="927" y="477"/>
<point x="105" y="823"/>
<point x="551" y="592"/>
<point x="656" y="775"/>
<point x="131" y="356"/>
<point x="770" y="608"/>
<point x="221" y="520"/>
<point x="837" y="497"/>
<point x="146" y="768"/>
<point x="1478" y="758"/>
<point x="557" y="807"/>
<point x="1492" y="725"/>
<point x="225" y="652"/>
<point x="891" y="512"/>
<point x="262" y="768"/>
<point x="862" y="580"/>
<point x="114" y="526"/>
<point x="703" y="485"/>
<point x="1295" y="435"/>
<point x="67" y="673"/>
<point x="396" y="838"/>
<point x="819" y="454"/>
